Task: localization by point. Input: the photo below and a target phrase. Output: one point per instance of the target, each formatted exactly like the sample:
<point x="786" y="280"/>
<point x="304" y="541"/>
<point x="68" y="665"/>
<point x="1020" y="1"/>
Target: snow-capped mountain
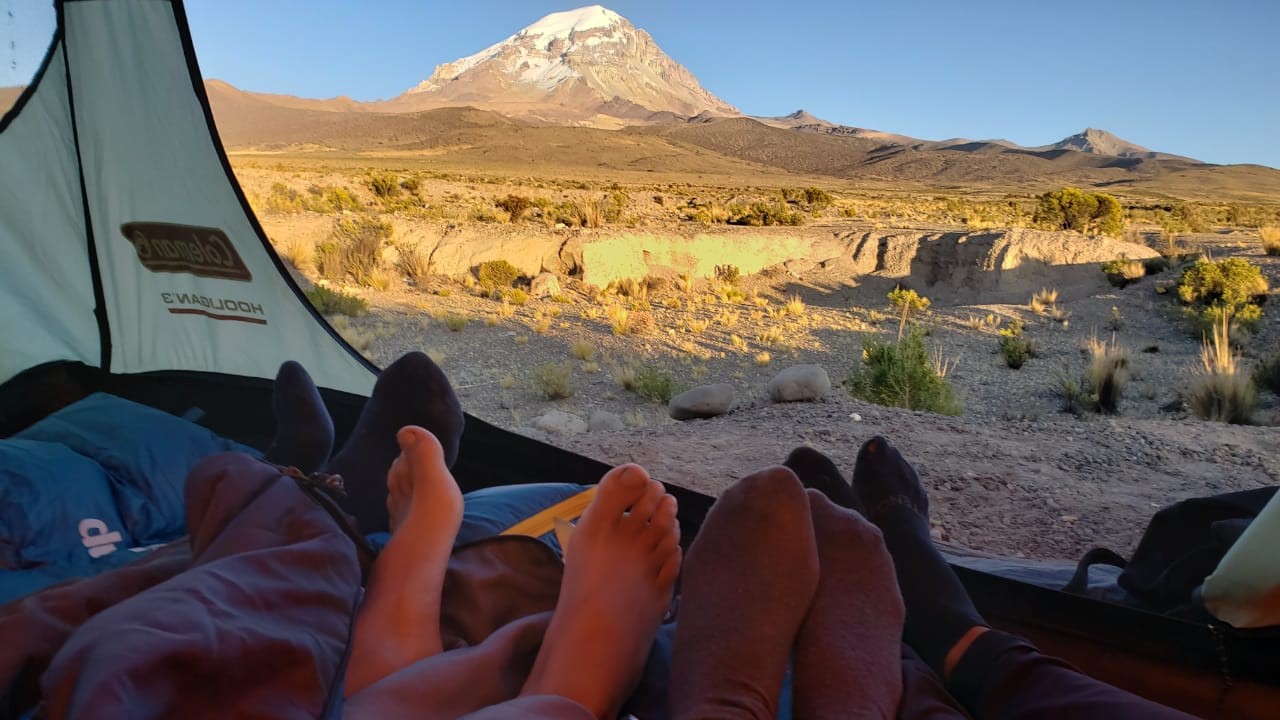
<point x="570" y="64"/>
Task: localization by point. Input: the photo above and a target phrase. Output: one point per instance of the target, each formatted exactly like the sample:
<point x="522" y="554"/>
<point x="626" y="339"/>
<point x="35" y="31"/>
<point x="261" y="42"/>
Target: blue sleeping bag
<point x="83" y="490"/>
<point x="145" y="452"/>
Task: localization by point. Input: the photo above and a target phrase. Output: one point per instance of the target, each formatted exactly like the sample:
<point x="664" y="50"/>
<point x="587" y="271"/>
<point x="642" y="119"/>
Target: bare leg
<point x="618" y="577"/>
<point x="399" y="621"/>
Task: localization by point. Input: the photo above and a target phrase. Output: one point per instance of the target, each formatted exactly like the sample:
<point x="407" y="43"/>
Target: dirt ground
<point x="1013" y="474"/>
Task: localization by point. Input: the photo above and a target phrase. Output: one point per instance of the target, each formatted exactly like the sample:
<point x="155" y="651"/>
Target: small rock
<point x="856" y="417"/>
<point x="544" y="285"/>
<point x="704" y="401"/>
<point x="558" y="422"/>
<point x="602" y="420"/>
<point x="799" y="382"/>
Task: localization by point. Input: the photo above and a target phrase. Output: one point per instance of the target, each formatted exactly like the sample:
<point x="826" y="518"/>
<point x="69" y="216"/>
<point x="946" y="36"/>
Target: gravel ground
<point x="1012" y="475"/>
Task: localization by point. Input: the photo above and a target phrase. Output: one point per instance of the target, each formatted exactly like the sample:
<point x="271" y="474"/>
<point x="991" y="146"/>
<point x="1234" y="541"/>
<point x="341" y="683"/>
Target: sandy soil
<point x="1012" y="475"/>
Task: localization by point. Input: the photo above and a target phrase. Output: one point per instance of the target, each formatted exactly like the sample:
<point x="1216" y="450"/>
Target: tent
<point x="133" y="264"/>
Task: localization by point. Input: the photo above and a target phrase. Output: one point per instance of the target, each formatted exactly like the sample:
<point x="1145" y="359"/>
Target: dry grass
<point x="697" y="326"/>
<point x="763" y="358"/>
<point x="583" y="350"/>
<point x="1270" y="239"/>
<point x="1223" y="392"/>
<point x="415" y="264"/>
<point x="361" y="339"/>
<point x="553" y="380"/>
<point x="727" y="319"/>
<point x="298" y="251"/>
<point x="619" y="320"/>
<point x="540" y="324"/>
<point x="1044" y="300"/>
<point x="794" y="306"/>
<point x="1107" y="374"/>
<point x="455" y="322"/>
<point x="770" y="336"/>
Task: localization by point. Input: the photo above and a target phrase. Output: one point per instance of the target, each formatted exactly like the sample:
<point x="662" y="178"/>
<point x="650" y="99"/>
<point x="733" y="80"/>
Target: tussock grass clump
<point x="770" y="336"/>
<point x="763" y="358"/>
<point x="697" y="326"/>
<point x="336" y="302"/>
<point x="794" y="306"/>
<point x="1223" y="392"/>
<point x="1101" y="386"/>
<point x="903" y="374"/>
<point x="1043" y="299"/>
<point x="514" y="205"/>
<point x="299" y="252"/>
<point x="496" y="275"/>
<point x="361" y="339"/>
<point x="553" y="380"/>
<point x="619" y="320"/>
<point x="990" y="321"/>
<point x="1270" y="235"/>
<point x="384" y="185"/>
<point x="353" y="248"/>
<point x="415" y="264"/>
<point x="455" y="322"/>
<point x="540" y="324"/>
<point x="649" y="381"/>
<point x="583" y="350"/>
<point x="1122" y="271"/>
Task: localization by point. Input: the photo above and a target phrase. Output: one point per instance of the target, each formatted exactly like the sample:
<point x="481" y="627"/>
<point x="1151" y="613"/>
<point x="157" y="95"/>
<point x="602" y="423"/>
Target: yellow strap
<point x="544" y="522"/>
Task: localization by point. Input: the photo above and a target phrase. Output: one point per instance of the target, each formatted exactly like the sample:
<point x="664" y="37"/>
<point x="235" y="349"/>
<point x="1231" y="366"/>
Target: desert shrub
<point x="515" y="205"/>
<point x="728" y="274"/>
<point x="553" y="380"/>
<point x="651" y="382"/>
<point x="762" y="213"/>
<point x="353" y="248"/>
<point x="410" y="184"/>
<point x="1101" y="386"/>
<point x="384" y="185"/>
<point x="1190" y="218"/>
<point x="415" y="263"/>
<point x="1270" y="239"/>
<point x="336" y="302"/>
<point x="299" y="251"/>
<point x="1122" y="271"/>
<point x="1223" y="392"/>
<point x="361" y="339"/>
<point x="283" y="198"/>
<point x="496" y="275"/>
<point x="1074" y="209"/>
<point x="1233" y="288"/>
<point x="516" y="296"/>
<point x="336" y="200"/>
<point x="902" y="374"/>
<point x="1016" y="350"/>
<point x="1267" y="373"/>
<point x="817" y="198"/>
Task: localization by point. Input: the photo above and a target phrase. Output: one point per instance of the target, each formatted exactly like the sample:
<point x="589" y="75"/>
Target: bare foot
<point x="399" y="622"/>
<point x="617" y="584"/>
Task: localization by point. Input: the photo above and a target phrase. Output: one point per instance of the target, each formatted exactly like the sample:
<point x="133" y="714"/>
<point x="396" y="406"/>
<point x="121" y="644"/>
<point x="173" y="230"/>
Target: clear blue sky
<point x="1193" y="77"/>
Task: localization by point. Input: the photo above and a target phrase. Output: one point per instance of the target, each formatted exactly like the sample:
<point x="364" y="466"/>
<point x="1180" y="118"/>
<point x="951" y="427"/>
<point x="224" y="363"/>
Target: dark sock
<point x="939" y="610"/>
<point x="411" y="391"/>
<point x="748" y="580"/>
<point x="847" y="655"/>
<point x="816" y="471"/>
<point x="304" y="430"/>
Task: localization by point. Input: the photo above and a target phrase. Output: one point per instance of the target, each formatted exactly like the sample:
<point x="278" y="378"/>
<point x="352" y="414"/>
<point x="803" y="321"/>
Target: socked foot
<point x="882" y="478"/>
<point x="304" y="430"/>
<point x="399" y="621"/>
<point x="618" y="578"/>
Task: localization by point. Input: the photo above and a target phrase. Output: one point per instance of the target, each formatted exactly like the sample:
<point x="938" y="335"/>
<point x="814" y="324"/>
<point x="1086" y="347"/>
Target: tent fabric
<point x="128" y="242"/>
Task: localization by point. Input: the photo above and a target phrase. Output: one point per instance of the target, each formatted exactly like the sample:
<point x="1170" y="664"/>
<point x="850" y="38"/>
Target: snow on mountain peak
<point x="580" y="58"/>
<point x="563" y="25"/>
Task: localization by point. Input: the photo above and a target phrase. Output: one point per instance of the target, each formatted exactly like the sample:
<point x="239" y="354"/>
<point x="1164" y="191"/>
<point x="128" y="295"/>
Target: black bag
<point x="1182" y="545"/>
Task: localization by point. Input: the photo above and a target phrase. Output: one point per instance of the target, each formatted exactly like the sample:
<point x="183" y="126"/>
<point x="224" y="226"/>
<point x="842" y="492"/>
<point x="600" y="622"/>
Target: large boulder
<point x="799" y="382"/>
<point x="559" y="422"/>
<point x="704" y="401"/>
<point x="603" y="420"/>
<point x="544" y="285"/>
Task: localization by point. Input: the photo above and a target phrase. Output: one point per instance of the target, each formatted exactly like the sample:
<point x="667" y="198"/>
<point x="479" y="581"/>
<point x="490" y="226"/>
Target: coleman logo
<point x="200" y="251"/>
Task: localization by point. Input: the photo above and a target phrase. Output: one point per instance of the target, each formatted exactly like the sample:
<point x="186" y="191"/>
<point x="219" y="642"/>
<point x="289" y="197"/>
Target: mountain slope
<point x="565" y="67"/>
